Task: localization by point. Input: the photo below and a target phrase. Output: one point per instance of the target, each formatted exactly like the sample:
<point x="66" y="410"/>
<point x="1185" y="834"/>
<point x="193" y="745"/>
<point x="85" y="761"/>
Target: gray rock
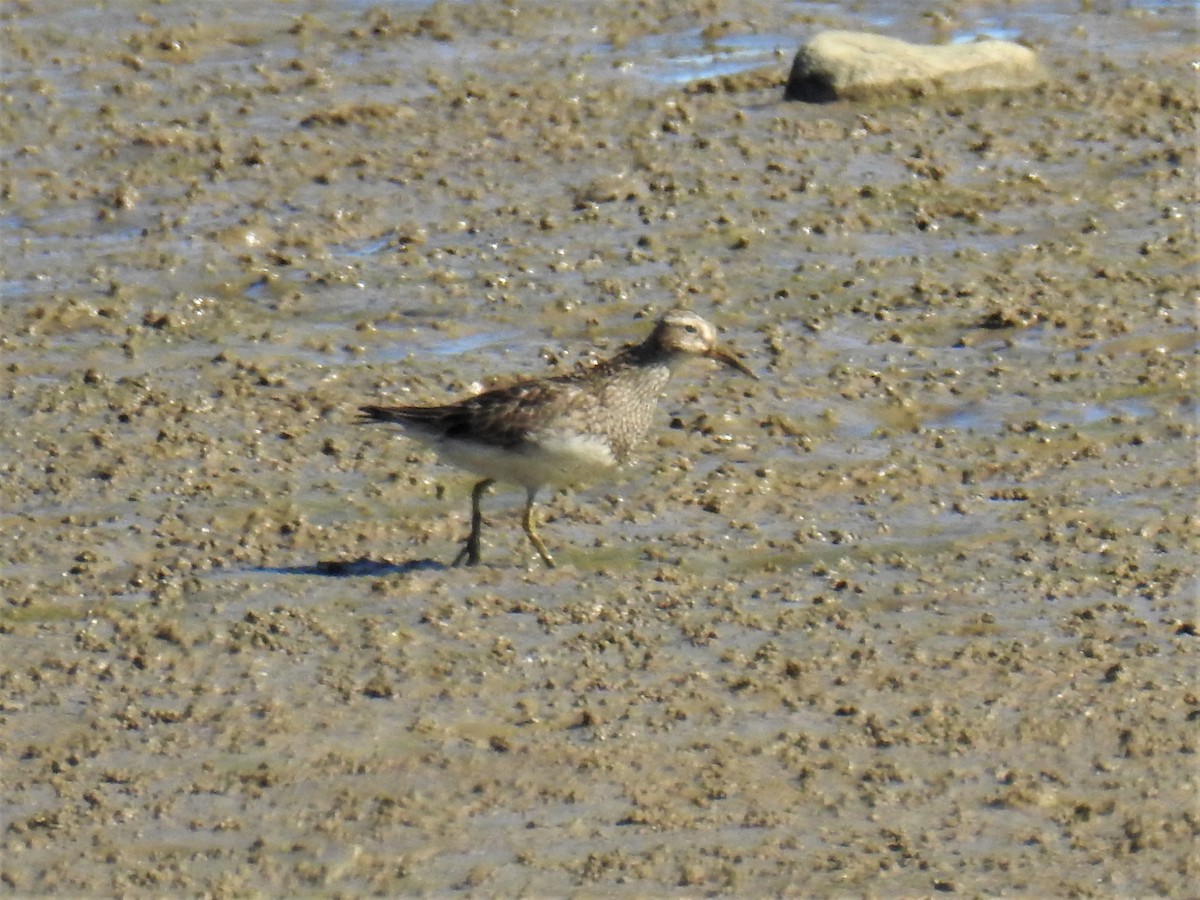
<point x="838" y="65"/>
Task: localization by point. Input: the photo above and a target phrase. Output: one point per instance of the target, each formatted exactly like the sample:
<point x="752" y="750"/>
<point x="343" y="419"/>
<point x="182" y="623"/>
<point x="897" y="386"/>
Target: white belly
<point x="551" y="462"/>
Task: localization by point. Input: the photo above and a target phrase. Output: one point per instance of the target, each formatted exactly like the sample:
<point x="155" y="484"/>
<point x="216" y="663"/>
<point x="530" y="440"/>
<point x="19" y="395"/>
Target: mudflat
<point x="912" y="614"/>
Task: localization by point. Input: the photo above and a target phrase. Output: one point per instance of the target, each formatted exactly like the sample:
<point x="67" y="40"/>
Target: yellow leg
<point x="470" y="550"/>
<point x="527" y="524"/>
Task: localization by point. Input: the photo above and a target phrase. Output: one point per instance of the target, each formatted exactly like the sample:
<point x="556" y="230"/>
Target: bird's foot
<point x="469" y="554"/>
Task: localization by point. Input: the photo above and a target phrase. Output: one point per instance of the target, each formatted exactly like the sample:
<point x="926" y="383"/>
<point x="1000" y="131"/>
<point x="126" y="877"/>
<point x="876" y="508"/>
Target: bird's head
<point x="682" y="332"/>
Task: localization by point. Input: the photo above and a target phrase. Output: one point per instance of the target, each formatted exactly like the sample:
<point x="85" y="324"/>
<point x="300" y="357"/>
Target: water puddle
<point x="988" y="417"/>
<point x="688" y="56"/>
<point x="988" y="28"/>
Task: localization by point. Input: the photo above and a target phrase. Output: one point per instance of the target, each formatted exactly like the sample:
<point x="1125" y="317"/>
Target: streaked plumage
<point x="558" y="431"/>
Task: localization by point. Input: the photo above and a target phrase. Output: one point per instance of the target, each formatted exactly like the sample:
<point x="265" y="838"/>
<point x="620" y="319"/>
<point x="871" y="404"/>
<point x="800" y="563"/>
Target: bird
<point x="558" y="431"/>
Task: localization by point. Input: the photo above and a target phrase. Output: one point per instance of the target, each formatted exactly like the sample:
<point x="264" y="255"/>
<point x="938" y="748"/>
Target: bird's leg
<point x="527" y="524"/>
<point x="470" y="550"/>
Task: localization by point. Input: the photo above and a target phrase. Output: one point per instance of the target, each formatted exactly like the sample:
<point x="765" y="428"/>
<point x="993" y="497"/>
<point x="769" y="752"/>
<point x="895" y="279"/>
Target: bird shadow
<point x="354" y="568"/>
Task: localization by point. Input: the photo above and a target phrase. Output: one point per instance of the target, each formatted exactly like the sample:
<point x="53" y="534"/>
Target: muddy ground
<point x="914" y="614"/>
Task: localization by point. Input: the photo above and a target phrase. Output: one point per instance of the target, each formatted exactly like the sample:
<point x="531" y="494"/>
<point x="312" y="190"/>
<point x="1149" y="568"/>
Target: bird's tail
<point x="369" y="414"/>
<point x="402" y="415"/>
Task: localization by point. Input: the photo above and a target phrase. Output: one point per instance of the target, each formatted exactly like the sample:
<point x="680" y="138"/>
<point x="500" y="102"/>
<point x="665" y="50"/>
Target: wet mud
<point x="913" y="614"/>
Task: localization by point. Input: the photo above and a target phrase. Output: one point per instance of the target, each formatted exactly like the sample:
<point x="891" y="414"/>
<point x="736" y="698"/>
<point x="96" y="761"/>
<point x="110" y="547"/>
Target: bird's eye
<point x="690" y="329"/>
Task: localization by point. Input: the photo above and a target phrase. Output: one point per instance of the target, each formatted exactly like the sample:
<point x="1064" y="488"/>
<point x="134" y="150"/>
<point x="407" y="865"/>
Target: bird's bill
<point x="722" y="355"/>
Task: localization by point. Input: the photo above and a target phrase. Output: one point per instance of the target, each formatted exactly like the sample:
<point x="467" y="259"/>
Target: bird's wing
<point x="502" y="417"/>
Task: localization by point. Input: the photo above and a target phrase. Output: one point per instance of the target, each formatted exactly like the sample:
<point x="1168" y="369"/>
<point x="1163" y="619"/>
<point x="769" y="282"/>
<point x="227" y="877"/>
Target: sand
<point x="913" y="614"/>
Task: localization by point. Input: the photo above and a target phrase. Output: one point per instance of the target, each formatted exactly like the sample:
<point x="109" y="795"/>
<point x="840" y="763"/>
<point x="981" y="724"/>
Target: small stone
<point x="838" y="65"/>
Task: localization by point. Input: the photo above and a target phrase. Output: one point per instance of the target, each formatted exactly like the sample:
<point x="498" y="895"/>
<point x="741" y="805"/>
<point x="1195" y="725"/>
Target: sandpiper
<point x="559" y="431"/>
